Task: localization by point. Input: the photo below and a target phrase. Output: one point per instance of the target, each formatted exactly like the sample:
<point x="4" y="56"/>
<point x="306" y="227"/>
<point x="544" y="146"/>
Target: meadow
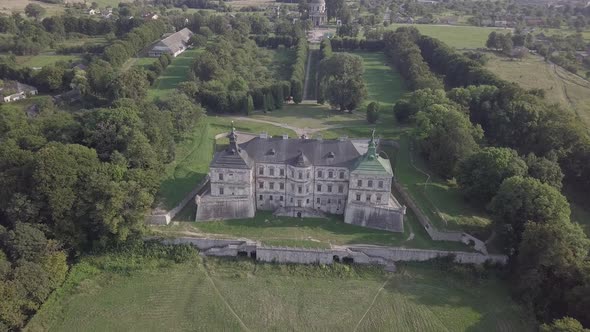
<point x="42" y="60"/>
<point x="236" y="295"/>
<point x="458" y="36"/>
<point x="561" y="86"/>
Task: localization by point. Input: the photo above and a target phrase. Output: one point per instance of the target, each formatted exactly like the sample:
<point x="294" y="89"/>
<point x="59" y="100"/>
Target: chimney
<point x="319" y="138"/>
<point x="263" y="135"/>
<point x="285" y="136"/>
<point x="343" y="138"/>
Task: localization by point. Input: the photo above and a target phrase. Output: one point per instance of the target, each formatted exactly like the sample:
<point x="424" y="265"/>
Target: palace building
<point x="317" y="12"/>
<point x="302" y="177"/>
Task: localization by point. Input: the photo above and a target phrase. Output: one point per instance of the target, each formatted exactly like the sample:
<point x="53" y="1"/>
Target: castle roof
<point x="302" y="152"/>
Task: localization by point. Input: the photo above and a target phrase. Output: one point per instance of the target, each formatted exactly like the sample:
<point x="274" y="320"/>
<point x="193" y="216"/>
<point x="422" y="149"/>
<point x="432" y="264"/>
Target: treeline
<point x="74" y="183"/>
<point x="197" y="4"/>
<point x="353" y="44"/>
<point x="133" y="42"/>
<point x="274" y="41"/>
<point x="401" y="49"/>
<point x="298" y="72"/>
<point x="509" y="150"/>
<point x="232" y="76"/>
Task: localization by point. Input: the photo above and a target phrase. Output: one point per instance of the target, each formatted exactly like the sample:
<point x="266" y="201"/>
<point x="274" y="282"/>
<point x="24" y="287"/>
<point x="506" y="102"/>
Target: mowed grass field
<point x="43" y="60"/>
<point x="455" y="35"/>
<point x="229" y="295"/>
<point x="560" y="86"/>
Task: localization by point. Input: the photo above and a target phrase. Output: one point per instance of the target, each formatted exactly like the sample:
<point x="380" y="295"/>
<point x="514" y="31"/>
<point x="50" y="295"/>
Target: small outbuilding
<point x="174" y="44"/>
<point x="13" y="91"/>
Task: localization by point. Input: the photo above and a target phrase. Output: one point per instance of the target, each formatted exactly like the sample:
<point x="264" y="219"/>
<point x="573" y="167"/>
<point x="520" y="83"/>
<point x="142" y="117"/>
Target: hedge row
<point x="274" y="41"/>
<point x="298" y="74"/>
<point x="352" y="44"/>
<point x="401" y="49"/>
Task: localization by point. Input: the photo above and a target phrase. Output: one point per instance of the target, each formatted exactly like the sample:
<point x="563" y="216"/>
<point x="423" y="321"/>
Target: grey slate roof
<point x="230" y="158"/>
<point x="302" y="151"/>
<point x="175" y="41"/>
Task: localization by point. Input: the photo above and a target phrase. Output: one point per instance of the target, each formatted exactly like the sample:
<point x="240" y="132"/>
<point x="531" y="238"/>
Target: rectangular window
<point x="370" y="183"/>
<point x="330" y="174"/>
<point x="272" y="171"/>
<point x="359" y="183"/>
<point x="291" y="199"/>
<point x="300" y="189"/>
<point x="342" y="175"/>
<point x="281" y="198"/>
<point x="341" y="189"/>
<point x="307" y="201"/>
<point x="319" y="174"/>
<point x="329" y="201"/>
<point x="270" y="198"/>
<point x="379" y="198"/>
<point x="358" y="197"/>
<point x="261" y="170"/>
<point x="319" y="188"/>
<point x="380" y="184"/>
<point x="221" y="176"/>
<point x="292" y="187"/>
<point x="261" y="185"/>
<point x="299" y="203"/>
<point x="272" y="185"/>
<point x="220" y="190"/>
<point x="329" y="188"/>
<point x="260" y="197"/>
<point x="292" y="173"/>
<point x="317" y="200"/>
<point x="307" y="189"/>
<point x="368" y="198"/>
<point x="300" y="175"/>
<point x="281" y="185"/>
<point x="308" y="175"/>
<point x="282" y="172"/>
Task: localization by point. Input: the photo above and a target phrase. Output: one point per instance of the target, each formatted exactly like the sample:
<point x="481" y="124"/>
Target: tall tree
<point x="341" y="80"/>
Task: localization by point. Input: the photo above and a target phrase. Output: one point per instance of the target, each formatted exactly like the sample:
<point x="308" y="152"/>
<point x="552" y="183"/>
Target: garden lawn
<point x="311" y="116"/>
<point x="455" y="35"/>
<point x="282" y="61"/>
<point x="239" y="295"/>
<point x="175" y="73"/>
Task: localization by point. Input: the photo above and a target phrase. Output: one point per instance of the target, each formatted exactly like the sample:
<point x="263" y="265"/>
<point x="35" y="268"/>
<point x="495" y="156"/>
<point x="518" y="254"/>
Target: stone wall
<point x="378" y="217"/>
<point x="217" y="208"/>
<point x="360" y="254"/>
<point x="164" y="217"/>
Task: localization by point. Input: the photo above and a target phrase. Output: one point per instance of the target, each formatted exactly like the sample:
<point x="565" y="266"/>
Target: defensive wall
<point x="361" y="254"/>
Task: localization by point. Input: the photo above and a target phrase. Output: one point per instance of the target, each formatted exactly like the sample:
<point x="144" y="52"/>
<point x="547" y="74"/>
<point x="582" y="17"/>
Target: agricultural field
<point x="9" y="6"/>
<point x="560" y="86"/>
<point x="236" y="295"/>
<point x="458" y="36"/>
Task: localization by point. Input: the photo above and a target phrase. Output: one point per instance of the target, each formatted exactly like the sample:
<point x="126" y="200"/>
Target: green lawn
<point x="42" y="60"/>
<point x="282" y="61"/>
<point x="175" y="73"/>
<point x="230" y="295"/>
<point x="384" y="85"/>
<point x="454" y="35"/>
<point x="311" y="116"/>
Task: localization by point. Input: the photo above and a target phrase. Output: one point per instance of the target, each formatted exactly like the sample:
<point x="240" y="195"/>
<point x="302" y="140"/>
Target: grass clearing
<point x="43" y="60"/>
<point x="282" y="61"/>
<point x="560" y="86"/>
<point x="234" y="295"/>
<point x="311" y="116"/>
<point x="175" y="73"/>
<point x="457" y="36"/>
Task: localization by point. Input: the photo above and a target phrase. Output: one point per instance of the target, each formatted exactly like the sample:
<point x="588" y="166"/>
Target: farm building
<point x="174" y="44"/>
<point x="13" y="91"/>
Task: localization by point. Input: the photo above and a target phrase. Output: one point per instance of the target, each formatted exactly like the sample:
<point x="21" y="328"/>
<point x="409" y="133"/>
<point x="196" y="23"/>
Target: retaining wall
<point x="164" y="217"/>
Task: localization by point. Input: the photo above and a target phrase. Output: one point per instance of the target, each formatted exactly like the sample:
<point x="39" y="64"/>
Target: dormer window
<point x="331" y="155"/>
<point x="271" y="152"/>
